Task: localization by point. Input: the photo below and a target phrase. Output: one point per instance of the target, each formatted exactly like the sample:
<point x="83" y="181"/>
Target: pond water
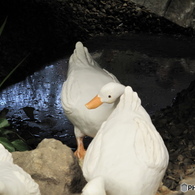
<point x="154" y="66"/>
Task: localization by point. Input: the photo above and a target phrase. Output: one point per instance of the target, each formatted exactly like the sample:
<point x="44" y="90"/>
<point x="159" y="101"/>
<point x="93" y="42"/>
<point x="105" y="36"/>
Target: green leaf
<point x="3" y="26"/>
<point x="20" y="145"/>
<point x="3" y="123"/>
<point x="7" y="144"/>
<point x="6" y="132"/>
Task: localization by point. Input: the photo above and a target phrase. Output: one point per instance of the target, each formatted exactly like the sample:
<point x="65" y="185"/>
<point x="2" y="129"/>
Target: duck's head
<point x="109" y="93"/>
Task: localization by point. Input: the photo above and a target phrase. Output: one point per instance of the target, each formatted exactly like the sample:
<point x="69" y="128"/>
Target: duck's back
<point x="85" y="79"/>
<point x="127" y="151"/>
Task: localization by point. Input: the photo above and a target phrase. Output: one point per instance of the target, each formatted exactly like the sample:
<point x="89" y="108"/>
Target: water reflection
<point x="40" y="91"/>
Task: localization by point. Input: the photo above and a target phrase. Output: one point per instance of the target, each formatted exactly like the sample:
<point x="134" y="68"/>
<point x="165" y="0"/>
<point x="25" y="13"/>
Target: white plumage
<point x="128" y="155"/>
<point x="13" y="179"/>
<point x="85" y="78"/>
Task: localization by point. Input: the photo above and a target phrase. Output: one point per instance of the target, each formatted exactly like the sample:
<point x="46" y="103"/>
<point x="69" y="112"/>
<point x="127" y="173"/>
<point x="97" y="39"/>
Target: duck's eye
<point x="109" y="96"/>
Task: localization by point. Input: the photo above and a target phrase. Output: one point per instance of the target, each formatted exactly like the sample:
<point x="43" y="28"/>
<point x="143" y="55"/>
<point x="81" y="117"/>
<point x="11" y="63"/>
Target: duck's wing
<point x="114" y="79"/>
<point x="69" y="96"/>
<point x="149" y="146"/>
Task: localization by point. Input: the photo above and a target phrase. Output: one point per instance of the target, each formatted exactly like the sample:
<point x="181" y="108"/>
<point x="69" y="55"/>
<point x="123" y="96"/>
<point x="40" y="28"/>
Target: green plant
<point x="12" y="71"/>
<point x="9" y="138"/>
<point x="3" y="26"/>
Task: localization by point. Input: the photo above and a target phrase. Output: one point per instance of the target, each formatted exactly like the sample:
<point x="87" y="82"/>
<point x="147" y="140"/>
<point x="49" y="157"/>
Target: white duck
<point x="13" y="179"/>
<point x="84" y="79"/>
<point x="128" y="155"/>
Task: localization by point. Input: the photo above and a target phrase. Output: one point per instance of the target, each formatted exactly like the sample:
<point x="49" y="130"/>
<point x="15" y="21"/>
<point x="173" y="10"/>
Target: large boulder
<point x="177" y="11"/>
<point x="53" y="166"/>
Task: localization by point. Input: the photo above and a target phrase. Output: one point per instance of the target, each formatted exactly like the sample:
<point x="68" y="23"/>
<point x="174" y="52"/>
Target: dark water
<point x="34" y="104"/>
<point x="40" y="91"/>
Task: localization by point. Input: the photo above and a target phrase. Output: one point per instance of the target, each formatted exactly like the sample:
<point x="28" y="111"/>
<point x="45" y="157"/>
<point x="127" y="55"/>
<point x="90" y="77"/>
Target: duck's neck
<point x="117" y="101"/>
<point x="120" y="91"/>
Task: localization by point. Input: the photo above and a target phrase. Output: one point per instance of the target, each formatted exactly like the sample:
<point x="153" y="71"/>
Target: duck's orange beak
<point x="94" y="103"/>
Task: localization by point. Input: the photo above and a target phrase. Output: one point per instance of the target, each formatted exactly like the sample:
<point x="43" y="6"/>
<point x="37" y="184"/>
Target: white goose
<point x="13" y="179"/>
<point x="128" y="155"/>
<point x="84" y="79"/>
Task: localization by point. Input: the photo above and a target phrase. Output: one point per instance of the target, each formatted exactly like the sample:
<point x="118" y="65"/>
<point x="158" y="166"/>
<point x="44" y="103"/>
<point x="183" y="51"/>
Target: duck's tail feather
<point x="129" y="101"/>
<point x="81" y="57"/>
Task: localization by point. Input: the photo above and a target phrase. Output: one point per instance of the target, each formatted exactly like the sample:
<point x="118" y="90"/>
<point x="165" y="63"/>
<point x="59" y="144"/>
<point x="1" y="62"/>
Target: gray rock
<point x="180" y="12"/>
<point x="53" y="166"/>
